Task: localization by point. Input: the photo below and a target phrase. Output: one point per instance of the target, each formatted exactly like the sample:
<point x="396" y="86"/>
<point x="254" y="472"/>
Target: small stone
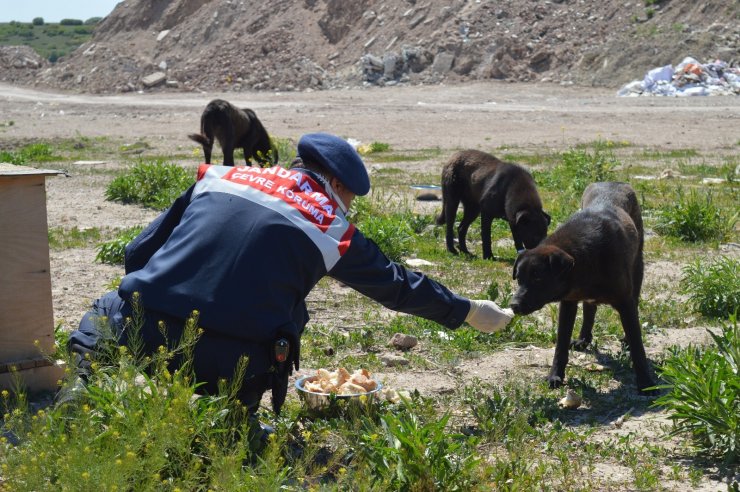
<point x="572" y="400"/>
<point x="391" y="360"/>
<point x="404" y="342"/>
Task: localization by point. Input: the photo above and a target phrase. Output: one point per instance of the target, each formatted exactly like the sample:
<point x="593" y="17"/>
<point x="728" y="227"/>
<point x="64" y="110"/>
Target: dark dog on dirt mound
<point x="595" y="257"/>
<point x="496" y="190"/>
<point x="234" y="128"/>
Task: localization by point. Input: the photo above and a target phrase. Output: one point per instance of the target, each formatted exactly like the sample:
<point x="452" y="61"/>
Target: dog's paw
<point x="554" y="381"/>
<point x="579" y="344"/>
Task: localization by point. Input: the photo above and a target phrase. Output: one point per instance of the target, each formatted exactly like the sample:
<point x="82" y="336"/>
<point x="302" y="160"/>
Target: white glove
<point x="487" y="317"/>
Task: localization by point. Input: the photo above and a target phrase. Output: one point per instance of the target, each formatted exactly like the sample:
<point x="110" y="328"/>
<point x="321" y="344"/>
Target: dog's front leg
<point x="566" y="320"/>
<point x="518" y="244"/>
<point x="586" y="335"/>
<point x="485" y="235"/>
<point x="633" y="334"/>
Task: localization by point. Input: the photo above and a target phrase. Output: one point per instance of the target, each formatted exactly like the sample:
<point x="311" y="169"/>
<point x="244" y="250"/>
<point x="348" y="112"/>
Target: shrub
<point x="152" y="184"/>
<point x="38" y="21"/>
<point x="713" y="286"/>
<point x="92" y="21"/>
<point x="704" y="393"/>
<point x="112" y="252"/>
<point x="694" y="218"/>
<point x="70" y="22"/>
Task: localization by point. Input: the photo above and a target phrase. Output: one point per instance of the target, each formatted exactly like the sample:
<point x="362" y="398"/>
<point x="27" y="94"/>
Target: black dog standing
<point x="495" y="190"/>
<point x="234" y="128"/>
<point x="594" y="257"/>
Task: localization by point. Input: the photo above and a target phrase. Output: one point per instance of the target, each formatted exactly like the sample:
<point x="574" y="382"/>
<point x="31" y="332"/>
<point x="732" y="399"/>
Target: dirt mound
<point x="290" y="45"/>
<point x="20" y="63"/>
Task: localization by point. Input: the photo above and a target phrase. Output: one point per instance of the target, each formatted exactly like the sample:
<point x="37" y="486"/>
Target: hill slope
<point x="299" y="44"/>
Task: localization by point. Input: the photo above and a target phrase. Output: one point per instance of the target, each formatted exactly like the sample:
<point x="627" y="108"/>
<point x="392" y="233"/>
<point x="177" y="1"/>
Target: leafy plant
<point x="420" y="455"/>
<point x="694" y="218"/>
<point x="713" y="286"/>
<point x="704" y="393"/>
<point x="112" y="252"/>
<point x="152" y="184"/>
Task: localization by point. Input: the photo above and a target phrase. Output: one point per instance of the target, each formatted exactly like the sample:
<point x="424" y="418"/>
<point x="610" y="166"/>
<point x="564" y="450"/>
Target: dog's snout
<point x="515" y="306"/>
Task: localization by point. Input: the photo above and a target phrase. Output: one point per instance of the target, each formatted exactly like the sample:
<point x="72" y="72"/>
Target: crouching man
<point x="244" y="246"/>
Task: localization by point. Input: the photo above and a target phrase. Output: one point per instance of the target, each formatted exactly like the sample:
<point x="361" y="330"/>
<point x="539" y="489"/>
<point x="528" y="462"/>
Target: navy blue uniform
<point x="244" y="247"/>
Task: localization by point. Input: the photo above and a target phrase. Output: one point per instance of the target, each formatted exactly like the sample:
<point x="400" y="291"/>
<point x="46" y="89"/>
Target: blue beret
<point x="339" y="157"/>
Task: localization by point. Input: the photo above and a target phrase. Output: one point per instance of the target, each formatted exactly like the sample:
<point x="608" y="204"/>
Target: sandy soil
<point x="480" y="115"/>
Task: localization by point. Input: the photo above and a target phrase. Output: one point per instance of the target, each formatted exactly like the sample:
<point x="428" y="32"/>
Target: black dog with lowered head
<point x="496" y="190"/>
<point x="595" y="257"/>
<point x="234" y="128"/>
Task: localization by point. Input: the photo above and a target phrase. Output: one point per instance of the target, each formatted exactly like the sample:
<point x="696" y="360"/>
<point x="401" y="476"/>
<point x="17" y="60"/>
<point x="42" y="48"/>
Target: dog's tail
<point x="441" y="217"/>
<point x="201" y="139"/>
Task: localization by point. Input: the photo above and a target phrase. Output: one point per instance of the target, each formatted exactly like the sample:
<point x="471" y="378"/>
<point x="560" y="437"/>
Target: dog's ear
<point x="548" y="219"/>
<point x="515" y="270"/>
<point x="521" y="216"/>
<point x="561" y="262"/>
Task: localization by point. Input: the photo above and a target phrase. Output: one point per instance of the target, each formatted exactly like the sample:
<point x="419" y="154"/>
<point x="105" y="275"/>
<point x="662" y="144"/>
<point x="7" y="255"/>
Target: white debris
<point x="688" y="78"/>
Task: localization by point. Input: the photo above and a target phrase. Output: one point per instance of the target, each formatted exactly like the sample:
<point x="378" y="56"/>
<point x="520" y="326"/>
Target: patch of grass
<point x="112" y="252"/>
<point x="713" y="286"/>
<point x="703" y="397"/>
<point x="695" y="218"/>
<point x="29" y="154"/>
<point x="374" y="148"/>
<point x="153" y="184"/>
<point x="562" y="185"/>
<point x="668" y="154"/>
<point x="411" y="156"/>
<point x="135" y="425"/>
<point x="51" y="40"/>
<point x="61" y="238"/>
<point x="603" y="145"/>
<point x="391" y="233"/>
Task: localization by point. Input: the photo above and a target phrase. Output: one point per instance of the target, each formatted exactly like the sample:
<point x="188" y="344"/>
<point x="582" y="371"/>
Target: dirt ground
<point x="477" y="115"/>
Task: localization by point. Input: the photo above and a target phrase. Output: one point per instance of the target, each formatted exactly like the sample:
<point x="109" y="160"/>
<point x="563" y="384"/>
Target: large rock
<point x="154" y="79"/>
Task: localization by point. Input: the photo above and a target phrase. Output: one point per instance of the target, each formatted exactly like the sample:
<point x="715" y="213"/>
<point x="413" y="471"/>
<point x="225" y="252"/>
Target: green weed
<point x="703" y="396"/>
<point x="713" y="286"/>
<point x="112" y="252"/>
<point x="695" y="218"/>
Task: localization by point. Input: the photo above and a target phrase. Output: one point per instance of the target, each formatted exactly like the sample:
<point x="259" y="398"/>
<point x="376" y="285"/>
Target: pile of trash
<point x="688" y="78"/>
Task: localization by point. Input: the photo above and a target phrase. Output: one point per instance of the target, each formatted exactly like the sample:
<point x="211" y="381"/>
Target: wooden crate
<point x="26" y="311"/>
